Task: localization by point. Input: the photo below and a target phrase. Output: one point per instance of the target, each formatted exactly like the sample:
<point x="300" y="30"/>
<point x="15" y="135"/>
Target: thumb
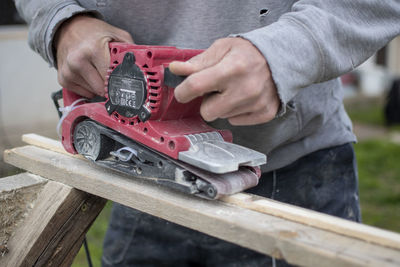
<point x="207" y="59"/>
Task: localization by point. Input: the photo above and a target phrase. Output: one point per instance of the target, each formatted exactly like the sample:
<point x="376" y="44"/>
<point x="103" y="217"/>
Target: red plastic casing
<point x="169" y="122"/>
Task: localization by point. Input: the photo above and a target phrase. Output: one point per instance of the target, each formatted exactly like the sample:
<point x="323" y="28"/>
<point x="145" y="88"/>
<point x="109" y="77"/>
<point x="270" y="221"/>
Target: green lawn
<point x="379" y="177"/>
<point x="378" y="166"/>
<point x="366" y="110"/>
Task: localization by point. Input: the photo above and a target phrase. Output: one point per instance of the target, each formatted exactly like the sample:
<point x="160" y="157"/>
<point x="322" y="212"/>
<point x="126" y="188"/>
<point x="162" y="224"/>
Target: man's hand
<point x="83" y="55"/>
<point x="235" y="81"/>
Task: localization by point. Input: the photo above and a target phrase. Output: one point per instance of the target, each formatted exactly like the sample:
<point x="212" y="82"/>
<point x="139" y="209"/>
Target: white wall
<point x="26" y="82"/>
<point x="375" y="79"/>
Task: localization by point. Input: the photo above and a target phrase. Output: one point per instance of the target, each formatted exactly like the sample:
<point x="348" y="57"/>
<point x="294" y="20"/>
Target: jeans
<point x="325" y="181"/>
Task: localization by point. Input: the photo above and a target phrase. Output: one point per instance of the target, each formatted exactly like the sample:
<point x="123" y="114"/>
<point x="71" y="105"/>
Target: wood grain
<point x="17" y="197"/>
<point x="53" y="232"/>
<point x="316" y="219"/>
<point x="275" y="208"/>
<point x="297" y="243"/>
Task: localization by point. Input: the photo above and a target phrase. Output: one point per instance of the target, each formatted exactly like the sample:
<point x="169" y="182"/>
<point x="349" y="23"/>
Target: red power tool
<point x="139" y="128"/>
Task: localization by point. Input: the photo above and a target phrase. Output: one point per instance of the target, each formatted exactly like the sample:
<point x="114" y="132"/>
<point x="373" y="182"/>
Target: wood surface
<point x="316" y="219"/>
<point x="298" y="243"/>
<point x="54" y="230"/>
<point x="17" y="197"/>
<point x="275" y="208"/>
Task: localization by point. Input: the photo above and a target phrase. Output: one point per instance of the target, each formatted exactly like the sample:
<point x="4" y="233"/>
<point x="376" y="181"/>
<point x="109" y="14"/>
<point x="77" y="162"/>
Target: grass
<point x="366" y="110"/>
<point x="379" y="183"/>
<point x="372" y="116"/>
<point x="378" y="166"/>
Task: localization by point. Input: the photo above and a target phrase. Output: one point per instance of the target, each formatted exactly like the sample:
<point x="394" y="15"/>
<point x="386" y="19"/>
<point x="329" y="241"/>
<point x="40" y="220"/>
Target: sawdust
<point x="14" y="207"/>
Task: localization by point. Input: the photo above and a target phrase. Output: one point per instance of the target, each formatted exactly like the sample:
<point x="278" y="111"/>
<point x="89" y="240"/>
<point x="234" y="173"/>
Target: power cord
<point x="89" y="259"/>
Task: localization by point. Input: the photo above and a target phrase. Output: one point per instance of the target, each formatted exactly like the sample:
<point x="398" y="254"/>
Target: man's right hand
<point x="83" y="54"/>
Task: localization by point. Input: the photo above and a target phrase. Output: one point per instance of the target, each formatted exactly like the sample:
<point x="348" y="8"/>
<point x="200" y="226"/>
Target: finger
<point x="212" y="79"/>
<point x="66" y="76"/>
<point x="238" y="110"/>
<point x="93" y="78"/>
<point x="80" y="90"/>
<point x="230" y="103"/>
<point x="223" y="105"/>
<point x="101" y="61"/>
<point x="258" y="102"/>
<point x="211" y="56"/>
<point x="69" y="79"/>
<point x="199" y="84"/>
<point x="207" y="108"/>
<point x="263" y="110"/>
<point x="181" y="68"/>
<point x="252" y="118"/>
<point x="79" y="64"/>
<point x="262" y="115"/>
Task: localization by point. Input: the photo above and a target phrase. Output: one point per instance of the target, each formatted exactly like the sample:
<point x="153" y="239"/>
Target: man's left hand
<point x="235" y="81"/>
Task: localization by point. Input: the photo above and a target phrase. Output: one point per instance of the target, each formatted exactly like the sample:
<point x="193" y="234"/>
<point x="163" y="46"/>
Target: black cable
<point x="89" y="259"/>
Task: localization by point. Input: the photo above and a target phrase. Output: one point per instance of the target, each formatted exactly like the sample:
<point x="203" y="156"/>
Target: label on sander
<point x="127" y="90"/>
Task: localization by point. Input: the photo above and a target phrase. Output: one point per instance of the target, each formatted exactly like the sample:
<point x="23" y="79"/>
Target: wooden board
<point x="275" y="208"/>
<point x="20" y="181"/>
<point x="54" y="230"/>
<point x="17" y="197"/>
<point x="319" y="220"/>
<point x="296" y="242"/>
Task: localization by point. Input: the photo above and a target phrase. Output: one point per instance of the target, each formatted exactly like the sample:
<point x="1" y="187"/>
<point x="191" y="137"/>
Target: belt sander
<point x="139" y="128"/>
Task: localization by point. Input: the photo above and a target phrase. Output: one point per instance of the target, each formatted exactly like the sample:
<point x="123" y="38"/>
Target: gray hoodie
<point x="307" y="43"/>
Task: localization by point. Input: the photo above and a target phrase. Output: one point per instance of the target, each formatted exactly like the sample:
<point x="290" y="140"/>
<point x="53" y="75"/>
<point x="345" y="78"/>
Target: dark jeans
<point x="325" y="181"/>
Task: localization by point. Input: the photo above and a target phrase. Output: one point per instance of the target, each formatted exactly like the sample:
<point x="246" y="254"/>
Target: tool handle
<point x="172" y="80"/>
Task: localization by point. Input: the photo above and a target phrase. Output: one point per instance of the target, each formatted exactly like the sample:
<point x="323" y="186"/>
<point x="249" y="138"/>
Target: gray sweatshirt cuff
<point x="292" y="54"/>
<point x="42" y="40"/>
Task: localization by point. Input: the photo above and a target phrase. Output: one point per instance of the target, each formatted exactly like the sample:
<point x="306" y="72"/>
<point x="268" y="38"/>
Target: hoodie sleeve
<point x="321" y="40"/>
<point x="44" y="17"/>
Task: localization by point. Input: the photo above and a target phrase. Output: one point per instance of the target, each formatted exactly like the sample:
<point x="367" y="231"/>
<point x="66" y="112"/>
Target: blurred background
<point x="26" y="82"/>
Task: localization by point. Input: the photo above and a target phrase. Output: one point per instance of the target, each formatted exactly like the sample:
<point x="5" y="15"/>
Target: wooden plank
<point x="316" y="219"/>
<point x="275" y="208"/>
<point x="53" y="232"/>
<point x="295" y="242"/>
<point x="45" y="142"/>
<point x="17" y="198"/>
<point x="19" y="182"/>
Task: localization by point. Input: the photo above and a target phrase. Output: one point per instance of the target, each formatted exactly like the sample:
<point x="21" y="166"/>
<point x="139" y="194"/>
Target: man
<point x="273" y="83"/>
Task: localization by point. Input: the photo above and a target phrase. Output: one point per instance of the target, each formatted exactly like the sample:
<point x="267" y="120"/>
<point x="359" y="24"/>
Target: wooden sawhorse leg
<point x="53" y="232"/>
